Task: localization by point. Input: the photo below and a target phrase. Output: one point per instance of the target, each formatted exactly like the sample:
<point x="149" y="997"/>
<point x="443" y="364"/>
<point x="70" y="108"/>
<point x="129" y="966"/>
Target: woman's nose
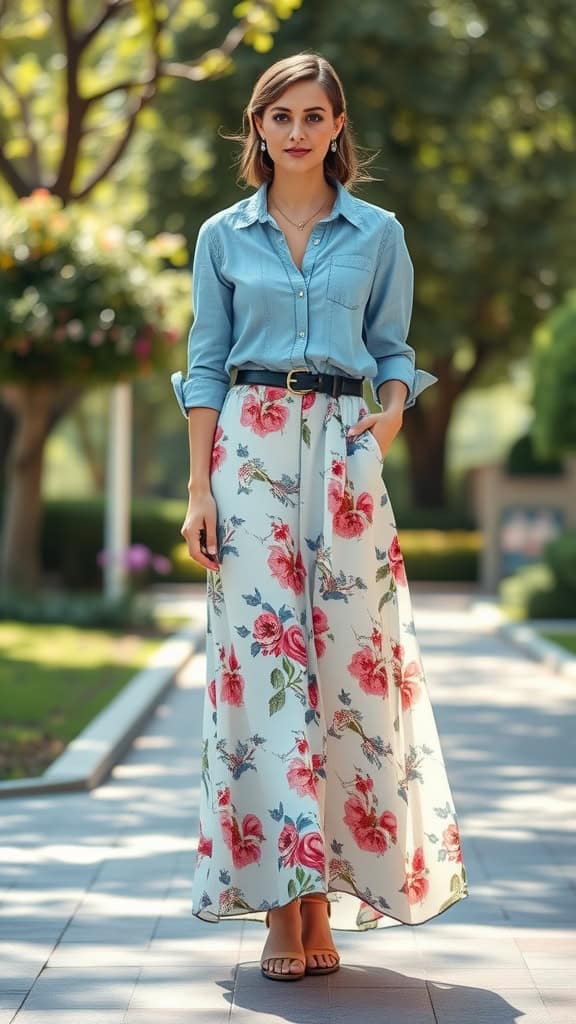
<point x="297" y="131"/>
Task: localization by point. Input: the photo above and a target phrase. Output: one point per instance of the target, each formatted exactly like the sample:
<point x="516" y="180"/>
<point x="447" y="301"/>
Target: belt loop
<point x="335" y="387"/>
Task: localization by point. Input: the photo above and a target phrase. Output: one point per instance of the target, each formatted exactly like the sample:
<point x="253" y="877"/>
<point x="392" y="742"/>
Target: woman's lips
<point x="297" y="152"/>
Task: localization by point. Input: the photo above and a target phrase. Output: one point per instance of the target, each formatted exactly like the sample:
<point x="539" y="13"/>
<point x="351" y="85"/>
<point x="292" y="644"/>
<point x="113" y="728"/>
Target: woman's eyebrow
<point x="306" y="109"/>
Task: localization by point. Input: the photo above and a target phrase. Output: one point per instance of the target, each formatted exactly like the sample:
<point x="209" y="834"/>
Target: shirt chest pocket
<point x="349" y="279"/>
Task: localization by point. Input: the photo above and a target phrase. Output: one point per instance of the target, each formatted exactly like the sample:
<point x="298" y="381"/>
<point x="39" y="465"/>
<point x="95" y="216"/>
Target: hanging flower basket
<point x="82" y="300"/>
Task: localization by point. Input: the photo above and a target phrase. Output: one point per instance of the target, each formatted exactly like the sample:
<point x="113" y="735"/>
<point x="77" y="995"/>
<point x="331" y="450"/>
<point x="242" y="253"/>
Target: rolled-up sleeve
<point x="387" y="317"/>
<point x="210" y="336"/>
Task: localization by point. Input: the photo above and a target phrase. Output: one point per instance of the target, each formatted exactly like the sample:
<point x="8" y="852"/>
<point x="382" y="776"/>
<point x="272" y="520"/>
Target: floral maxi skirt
<point x="322" y="769"/>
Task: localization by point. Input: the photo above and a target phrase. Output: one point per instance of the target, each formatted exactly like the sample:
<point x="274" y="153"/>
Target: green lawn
<point x="53" y="680"/>
<point x="567" y="640"/>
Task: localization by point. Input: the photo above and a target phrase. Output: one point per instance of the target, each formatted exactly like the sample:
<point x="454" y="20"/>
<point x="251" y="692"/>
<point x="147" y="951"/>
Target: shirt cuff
<point x="415" y="380"/>
<point x="191" y="393"/>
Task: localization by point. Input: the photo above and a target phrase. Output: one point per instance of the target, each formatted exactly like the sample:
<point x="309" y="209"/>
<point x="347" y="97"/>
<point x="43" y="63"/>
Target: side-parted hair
<point x="255" y="165"/>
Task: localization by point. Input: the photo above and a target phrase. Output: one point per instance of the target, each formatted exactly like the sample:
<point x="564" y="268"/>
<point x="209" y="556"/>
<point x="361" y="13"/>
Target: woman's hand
<point x="201" y="513"/>
<point x="384" y="425"/>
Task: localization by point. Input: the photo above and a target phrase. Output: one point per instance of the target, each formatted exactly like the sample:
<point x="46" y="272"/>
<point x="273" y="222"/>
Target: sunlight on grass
<point x="53" y="680"/>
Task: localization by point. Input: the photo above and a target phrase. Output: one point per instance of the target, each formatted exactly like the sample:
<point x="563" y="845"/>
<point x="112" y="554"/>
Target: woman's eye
<point x="278" y="117"/>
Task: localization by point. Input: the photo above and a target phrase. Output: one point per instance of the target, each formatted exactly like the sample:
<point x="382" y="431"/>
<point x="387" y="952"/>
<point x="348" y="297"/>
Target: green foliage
<point x="555" y="380"/>
<point x="87" y="610"/>
<point x="54" y="680"/>
<point x="72" y="537"/>
<point x="81" y="300"/>
<point x="522" y="460"/>
<point x="546" y="589"/>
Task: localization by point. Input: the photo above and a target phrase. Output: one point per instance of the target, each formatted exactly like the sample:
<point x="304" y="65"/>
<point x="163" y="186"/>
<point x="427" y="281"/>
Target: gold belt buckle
<point x="296" y="391"/>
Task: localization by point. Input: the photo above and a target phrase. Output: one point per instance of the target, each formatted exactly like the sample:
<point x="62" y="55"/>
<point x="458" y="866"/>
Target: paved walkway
<point x="96" y="928"/>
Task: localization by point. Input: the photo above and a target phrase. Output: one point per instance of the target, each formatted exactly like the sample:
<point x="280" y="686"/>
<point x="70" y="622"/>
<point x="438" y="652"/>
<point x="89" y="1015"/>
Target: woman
<point x="324" y="796"/>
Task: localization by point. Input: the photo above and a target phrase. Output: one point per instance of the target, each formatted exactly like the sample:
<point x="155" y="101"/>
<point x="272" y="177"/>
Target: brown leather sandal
<point x="275" y="975"/>
<point x="317" y="897"/>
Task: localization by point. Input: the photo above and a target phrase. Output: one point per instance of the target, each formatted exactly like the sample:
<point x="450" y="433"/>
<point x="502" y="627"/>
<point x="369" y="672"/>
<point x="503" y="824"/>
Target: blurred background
<point x="111" y="155"/>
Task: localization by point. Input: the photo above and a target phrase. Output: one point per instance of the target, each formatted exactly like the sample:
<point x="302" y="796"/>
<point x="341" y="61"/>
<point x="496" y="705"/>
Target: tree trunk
<point x="36" y="409"/>
<point x="425" y="431"/>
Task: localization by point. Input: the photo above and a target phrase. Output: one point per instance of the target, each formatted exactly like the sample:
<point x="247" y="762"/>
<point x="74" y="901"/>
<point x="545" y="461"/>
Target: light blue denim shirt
<point x="348" y="311"/>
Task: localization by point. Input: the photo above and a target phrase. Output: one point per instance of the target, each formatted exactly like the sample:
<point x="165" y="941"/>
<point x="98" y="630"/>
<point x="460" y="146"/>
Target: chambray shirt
<point x="348" y="311"/>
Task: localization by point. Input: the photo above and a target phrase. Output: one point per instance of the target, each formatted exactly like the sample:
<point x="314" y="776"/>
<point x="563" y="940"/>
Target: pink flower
<point x="370" y="832"/>
<point x="370" y="673"/>
<point x="245" y="843"/>
<point x="319" y="626"/>
<point x="268" y="632"/>
<point x="232" y="689"/>
<point x="294" y="645"/>
<point x="415" y="885"/>
<point x="396" y="561"/>
<point x="224" y="797"/>
<point x="212" y="692"/>
<point x="338" y="468"/>
<point x="451" y="842"/>
<point x="407" y="678"/>
<point x="218" y="450"/>
<point x="287" y="569"/>
<point x="281" y="531"/>
<point x="302" y="745"/>
<point x="313" y="697"/>
<point x="301" y="778"/>
<point x="161" y="564"/>
<point x="308" y="400"/>
<point x="349" y="519"/>
<point x="264" y="417"/>
<point x="311" y="851"/>
<point x="287" y="844"/>
<point x="204" y="845"/>
<point x="363" y="785"/>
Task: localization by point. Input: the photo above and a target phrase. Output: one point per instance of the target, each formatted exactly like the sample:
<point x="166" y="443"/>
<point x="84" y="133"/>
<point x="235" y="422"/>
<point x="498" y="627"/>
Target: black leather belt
<point x="299" y="381"/>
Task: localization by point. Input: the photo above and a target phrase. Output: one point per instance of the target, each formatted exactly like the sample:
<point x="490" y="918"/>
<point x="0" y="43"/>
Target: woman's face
<point x="299" y="127"/>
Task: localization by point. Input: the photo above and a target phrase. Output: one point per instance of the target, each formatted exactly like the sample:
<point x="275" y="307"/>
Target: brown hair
<point x="255" y="165"/>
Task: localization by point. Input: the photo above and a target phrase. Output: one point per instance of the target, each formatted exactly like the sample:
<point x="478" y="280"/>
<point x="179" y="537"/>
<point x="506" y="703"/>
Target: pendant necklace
<point x="302" y="223"/>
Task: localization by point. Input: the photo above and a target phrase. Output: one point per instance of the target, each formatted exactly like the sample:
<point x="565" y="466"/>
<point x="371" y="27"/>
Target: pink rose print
<point x="232" y="689"/>
<point x="308" y="400"/>
<point x="396" y="561"/>
<point x="294" y="645"/>
<point x="302" y="745"/>
<point x="267" y="415"/>
<point x="369" y="671"/>
<point x="218" y="450"/>
<point x="286" y="564"/>
<point x="313" y="696"/>
<point x="204" y="845"/>
<point x="406" y="677"/>
<point x="245" y="843"/>
<point x="416" y="886"/>
<point x="451" y="842"/>
<point x="301" y="777"/>
<point x="288" y="844"/>
<point x="212" y="693"/>
<point x="224" y="797"/>
<point x="372" y="831"/>
<point x="311" y="851"/>
<point x="349" y="519"/>
<point x="319" y="626"/>
<point x="338" y="468"/>
<point x="268" y="631"/>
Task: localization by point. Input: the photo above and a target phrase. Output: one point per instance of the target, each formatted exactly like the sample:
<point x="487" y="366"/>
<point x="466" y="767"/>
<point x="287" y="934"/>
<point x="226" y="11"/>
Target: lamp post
<point x="118" y="489"/>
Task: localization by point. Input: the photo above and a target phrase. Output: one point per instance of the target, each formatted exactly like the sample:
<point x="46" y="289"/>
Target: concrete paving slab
<point x="98" y="882"/>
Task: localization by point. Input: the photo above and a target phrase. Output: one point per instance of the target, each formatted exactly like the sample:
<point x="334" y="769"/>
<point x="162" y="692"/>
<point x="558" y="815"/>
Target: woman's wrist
<point x="392" y="395"/>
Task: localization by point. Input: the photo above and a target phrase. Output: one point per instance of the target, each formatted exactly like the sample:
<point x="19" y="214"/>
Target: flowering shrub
<point x="137" y="560"/>
<point x="82" y="300"/>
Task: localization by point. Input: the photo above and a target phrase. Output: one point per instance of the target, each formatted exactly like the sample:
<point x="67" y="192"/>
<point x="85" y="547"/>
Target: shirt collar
<point x="256" y="207"/>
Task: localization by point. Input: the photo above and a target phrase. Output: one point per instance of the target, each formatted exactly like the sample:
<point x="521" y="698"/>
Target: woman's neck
<point x="300" y="193"/>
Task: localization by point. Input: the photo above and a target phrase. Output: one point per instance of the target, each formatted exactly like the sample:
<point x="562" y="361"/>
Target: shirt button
<point x="300" y="293"/>
<point x="316" y="241"/>
<point x="301" y="333"/>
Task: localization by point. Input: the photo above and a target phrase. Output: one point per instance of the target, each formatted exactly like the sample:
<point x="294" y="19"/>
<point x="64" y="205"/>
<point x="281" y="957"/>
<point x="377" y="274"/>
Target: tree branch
<point x="112" y="8"/>
<point x="118" y="87"/>
<point x="26" y="120"/>
<point x="17" y="183"/>
<point x="75" y="105"/>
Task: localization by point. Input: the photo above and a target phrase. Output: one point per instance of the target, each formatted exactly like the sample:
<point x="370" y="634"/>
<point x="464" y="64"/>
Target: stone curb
<point x="88" y="759"/>
<point x="526" y="636"/>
